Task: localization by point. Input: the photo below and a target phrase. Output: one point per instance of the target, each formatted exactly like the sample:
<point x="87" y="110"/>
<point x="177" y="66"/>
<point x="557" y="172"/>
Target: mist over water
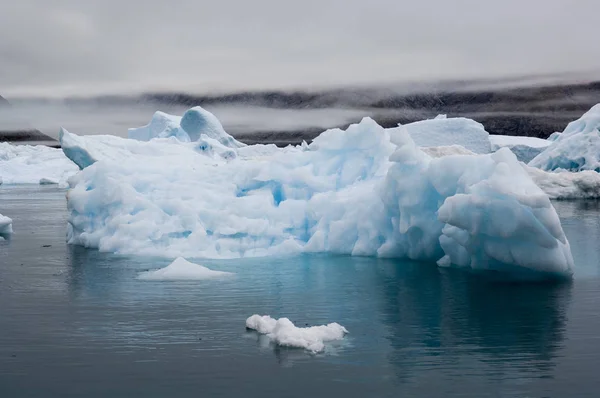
<point x="525" y="107"/>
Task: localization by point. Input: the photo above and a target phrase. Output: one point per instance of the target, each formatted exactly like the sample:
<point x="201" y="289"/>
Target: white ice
<point x="182" y="270"/>
<point x="364" y="191"/>
<point x="284" y="333"/>
<point x="443" y="131"/>
<point x="190" y="127"/>
<point x="5" y="225"/>
<point x="26" y="164"/>
<point x="577" y="148"/>
<point x="524" y="148"/>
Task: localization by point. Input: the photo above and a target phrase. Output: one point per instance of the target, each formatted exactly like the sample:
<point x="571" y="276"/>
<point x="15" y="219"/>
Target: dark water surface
<point x="78" y="323"/>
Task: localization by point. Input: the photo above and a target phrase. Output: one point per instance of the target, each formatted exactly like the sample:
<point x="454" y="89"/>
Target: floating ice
<point x="26" y="164"/>
<point x="162" y="124"/>
<point x="567" y="185"/>
<point x="577" y="148"/>
<point x="443" y="131"/>
<point x="524" y="148"/>
<point x="182" y="270"/>
<point x="5" y="225"/>
<point x="283" y="332"/>
<point x="196" y="122"/>
<point x="363" y="191"/>
<point x="557" y="185"/>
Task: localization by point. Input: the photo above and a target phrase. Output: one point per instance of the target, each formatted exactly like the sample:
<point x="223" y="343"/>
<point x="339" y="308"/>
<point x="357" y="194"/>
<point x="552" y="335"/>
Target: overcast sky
<point x="64" y="47"/>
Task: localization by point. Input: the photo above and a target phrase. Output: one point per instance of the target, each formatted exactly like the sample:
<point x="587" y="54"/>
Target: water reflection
<point x="438" y="318"/>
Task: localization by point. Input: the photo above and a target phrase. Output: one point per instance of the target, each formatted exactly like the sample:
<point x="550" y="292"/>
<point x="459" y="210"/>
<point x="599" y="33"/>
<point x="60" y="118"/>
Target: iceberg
<point x="182" y="270"/>
<point x="566" y="185"/>
<point x="524" y="148"/>
<point x="162" y="124"/>
<point x="443" y="131"/>
<point x="557" y="185"/>
<point x="577" y="148"/>
<point x="26" y="164"/>
<point x="195" y="122"/>
<point x="363" y="191"/>
<point x="284" y="333"/>
<point x="5" y="225"/>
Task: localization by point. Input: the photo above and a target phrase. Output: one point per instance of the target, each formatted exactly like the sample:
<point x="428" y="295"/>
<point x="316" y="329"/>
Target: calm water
<point x="75" y="322"/>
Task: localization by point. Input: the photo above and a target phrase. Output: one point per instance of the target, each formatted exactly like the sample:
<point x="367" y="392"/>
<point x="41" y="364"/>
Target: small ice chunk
<point x="284" y="333"/>
<point x="182" y="270"/>
<point x="5" y="225"/>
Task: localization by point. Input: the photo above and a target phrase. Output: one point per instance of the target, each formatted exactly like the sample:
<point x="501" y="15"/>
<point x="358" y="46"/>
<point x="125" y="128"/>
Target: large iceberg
<point x="442" y="131"/>
<point x="524" y="148"/>
<point x="27" y="164"/>
<point x="364" y="191"/>
<point x="577" y="148"/>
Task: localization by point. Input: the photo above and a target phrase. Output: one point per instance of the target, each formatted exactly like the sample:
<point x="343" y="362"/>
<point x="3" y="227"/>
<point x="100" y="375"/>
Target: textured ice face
<point x="577" y="148"/>
<point x="363" y="191"/>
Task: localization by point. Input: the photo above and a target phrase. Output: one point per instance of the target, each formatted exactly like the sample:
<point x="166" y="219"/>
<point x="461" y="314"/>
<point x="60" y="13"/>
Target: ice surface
<point x="195" y="123"/>
<point x="363" y="191"/>
<point x="443" y="131"/>
<point x="5" y="225"/>
<point x="577" y="148"/>
<point x="441" y="151"/>
<point x="525" y="148"/>
<point x="182" y="270"/>
<point x="25" y="164"/>
<point x="557" y="185"/>
<point x="554" y="136"/>
<point x="161" y="124"/>
<point x="283" y="332"/>
<point x="567" y="185"/>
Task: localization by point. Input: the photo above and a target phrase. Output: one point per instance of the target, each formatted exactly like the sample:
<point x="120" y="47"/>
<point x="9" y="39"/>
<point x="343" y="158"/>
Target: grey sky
<point x="65" y="47"/>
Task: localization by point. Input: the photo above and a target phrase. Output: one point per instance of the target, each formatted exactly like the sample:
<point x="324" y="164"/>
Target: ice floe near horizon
<point x="5" y="225"/>
<point x="27" y="164"/>
<point x="364" y="191"/>
<point x="195" y="122"/>
<point x="524" y="148"/>
<point x="183" y="270"/>
<point x="283" y="332"/>
<point x="577" y="148"/>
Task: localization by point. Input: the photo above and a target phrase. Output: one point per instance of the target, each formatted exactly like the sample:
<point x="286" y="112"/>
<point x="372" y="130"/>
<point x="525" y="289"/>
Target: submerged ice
<point x="363" y="191"/>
